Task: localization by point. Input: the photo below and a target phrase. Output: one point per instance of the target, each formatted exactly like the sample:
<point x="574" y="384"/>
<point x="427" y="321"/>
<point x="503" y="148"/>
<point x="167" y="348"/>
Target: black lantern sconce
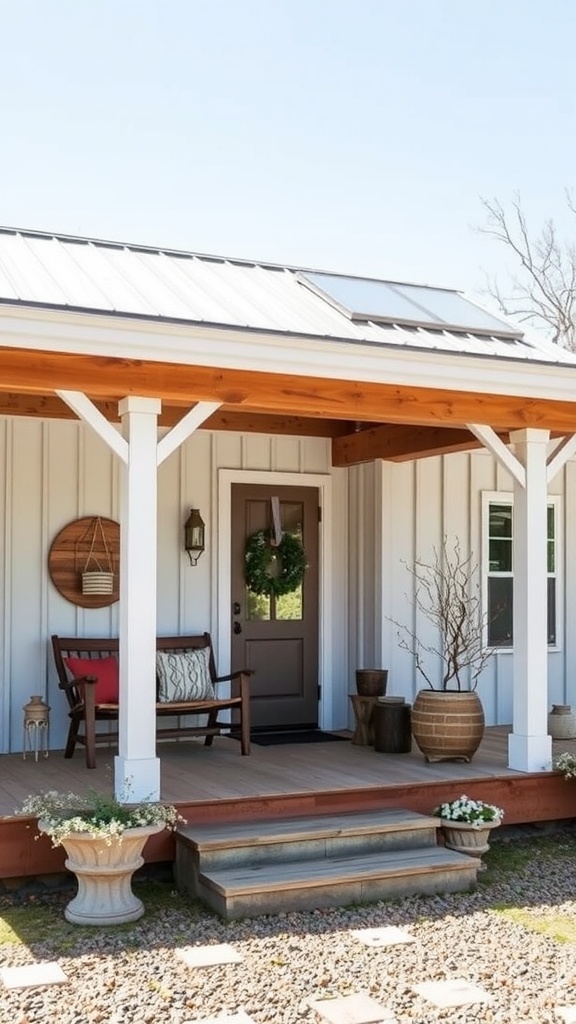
<point x="194" y="535"/>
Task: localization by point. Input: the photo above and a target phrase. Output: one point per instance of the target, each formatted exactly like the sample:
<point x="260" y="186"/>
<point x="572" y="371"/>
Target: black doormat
<point x="273" y="739"/>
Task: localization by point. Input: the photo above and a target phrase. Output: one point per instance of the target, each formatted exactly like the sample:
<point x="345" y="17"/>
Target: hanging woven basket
<point x="95" y="582"/>
<point x="98" y="576"/>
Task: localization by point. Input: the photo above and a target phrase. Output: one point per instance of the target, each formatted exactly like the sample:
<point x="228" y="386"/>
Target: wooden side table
<point x="364" y="731"/>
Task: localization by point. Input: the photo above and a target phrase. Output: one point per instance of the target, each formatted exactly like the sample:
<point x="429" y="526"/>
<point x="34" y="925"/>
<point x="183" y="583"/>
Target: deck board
<point x="191" y="772"/>
<point x="217" y="784"/>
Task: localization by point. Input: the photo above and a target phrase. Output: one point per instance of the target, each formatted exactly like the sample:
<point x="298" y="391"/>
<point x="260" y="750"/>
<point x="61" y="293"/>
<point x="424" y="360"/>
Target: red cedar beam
<point x="316" y="397"/>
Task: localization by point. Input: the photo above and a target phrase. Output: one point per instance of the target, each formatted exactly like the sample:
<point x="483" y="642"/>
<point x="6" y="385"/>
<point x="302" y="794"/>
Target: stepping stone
<point x="455" y="992"/>
<point x="382" y="936"/>
<point x="232" y="1018"/>
<point x="33" y="975"/>
<point x="209" y="956"/>
<point x="567" y="1013"/>
<point x="356" y="1009"/>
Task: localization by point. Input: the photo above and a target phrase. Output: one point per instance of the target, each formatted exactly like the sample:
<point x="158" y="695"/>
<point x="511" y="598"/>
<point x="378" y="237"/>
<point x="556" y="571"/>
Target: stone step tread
<point x="277" y="830"/>
<point x="335" y="870"/>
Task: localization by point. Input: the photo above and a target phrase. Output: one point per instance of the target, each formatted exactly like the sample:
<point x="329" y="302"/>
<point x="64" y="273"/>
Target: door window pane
<point x="257" y="606"/>
<point x="289" y="606"/>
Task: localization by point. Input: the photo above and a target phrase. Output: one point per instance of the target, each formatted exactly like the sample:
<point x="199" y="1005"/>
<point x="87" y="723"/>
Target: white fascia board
<point x="88" y="334"/>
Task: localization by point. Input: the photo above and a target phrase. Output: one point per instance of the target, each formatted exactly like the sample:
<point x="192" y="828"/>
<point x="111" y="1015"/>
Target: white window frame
<point x="507" y="498"/>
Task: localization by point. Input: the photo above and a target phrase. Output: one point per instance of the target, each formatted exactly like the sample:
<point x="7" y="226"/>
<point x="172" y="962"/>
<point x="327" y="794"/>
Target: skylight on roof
<point x="416" y="305"/>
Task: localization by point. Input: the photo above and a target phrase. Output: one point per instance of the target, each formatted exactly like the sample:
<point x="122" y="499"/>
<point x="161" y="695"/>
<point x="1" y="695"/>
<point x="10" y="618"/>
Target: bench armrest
<point x="242" y="679"/>
<point x="234" y="675"/>
<point x="91" y="680"/>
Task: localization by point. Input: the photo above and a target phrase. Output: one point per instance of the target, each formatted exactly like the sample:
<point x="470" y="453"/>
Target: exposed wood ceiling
<point x="366" y="421"/>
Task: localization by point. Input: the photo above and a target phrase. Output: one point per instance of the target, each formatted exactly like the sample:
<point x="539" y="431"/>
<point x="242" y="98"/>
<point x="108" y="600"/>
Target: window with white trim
<point x="499" y="575"/>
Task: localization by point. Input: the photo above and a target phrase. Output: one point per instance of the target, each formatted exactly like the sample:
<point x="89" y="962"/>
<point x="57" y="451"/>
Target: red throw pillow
<point x="105" y="669"/>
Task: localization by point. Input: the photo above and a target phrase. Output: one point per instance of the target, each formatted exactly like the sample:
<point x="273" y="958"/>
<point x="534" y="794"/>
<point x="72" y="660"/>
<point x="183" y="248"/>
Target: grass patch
<point x="31" y="922"/>
<point x="560" y="927"/>
<point x="513" y="856"/>
<point x="40" y="918"/>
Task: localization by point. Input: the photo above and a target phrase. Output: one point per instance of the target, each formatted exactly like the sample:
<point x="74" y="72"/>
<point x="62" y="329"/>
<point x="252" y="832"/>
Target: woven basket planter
<point x="447" y="725"/>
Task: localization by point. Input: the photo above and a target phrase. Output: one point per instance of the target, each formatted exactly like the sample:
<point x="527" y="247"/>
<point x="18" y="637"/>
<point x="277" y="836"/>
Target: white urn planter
<point x="104" y="869"/>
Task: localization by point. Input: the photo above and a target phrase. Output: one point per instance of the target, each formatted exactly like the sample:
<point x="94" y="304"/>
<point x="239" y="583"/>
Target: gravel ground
<point x="131" y="975"/>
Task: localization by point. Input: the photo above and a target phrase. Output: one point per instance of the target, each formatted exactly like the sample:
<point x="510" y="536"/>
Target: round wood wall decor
<point x="70" y="551"/>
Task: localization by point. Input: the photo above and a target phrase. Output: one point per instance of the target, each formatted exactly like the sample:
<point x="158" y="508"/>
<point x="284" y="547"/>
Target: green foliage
<point x="274" y="570"/>
<point x="98" y="815"/>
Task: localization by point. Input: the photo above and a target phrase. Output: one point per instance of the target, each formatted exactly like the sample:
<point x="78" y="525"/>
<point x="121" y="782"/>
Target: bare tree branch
<point x="544" y="294"/>
<point x="447" y="593"/>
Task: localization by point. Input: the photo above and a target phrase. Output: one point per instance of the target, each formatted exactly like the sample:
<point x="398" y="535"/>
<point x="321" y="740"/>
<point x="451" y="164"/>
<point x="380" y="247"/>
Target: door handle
<point x="237" y="628"/>
<point x="236" y="608"/>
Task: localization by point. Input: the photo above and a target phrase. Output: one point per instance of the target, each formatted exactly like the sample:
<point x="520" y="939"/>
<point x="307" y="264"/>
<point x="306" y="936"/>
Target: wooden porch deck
<point x="216" y="783"/>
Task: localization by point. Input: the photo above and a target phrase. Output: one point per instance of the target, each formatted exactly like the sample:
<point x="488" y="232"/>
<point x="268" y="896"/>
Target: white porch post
<point x="529" y="746"/>
<point x="137" y="768"/>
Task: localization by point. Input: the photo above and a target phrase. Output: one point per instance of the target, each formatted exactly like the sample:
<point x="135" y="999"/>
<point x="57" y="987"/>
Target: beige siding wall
<point x="419" y="503"/>
<point x="54" y="472"/>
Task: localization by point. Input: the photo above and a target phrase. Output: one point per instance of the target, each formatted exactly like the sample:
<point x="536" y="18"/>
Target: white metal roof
<point x="81" y="274"/>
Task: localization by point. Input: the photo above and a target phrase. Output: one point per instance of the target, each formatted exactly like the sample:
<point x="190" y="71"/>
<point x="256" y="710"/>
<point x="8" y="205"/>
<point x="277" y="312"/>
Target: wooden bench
<point x="85" y="711"/>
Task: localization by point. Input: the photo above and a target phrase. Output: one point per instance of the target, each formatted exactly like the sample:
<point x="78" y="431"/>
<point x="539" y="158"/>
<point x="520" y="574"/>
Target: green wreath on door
<point x="261" y="556"/>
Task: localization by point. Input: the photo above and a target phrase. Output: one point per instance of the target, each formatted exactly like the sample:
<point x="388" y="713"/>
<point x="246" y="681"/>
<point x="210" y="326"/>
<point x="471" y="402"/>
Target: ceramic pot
<point x="104" y="873"/>
<point x="561" y="722"/>
<point x="464" y="837"/>
<point x="447" y="725"/>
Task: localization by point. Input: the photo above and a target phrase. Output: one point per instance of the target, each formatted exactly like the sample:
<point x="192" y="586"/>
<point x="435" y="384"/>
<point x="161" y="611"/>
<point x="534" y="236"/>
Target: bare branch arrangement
<point x="545" y="293"/>
<point x="447" y="593"/>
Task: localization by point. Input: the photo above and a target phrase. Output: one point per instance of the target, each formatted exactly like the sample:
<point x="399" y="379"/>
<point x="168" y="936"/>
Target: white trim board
<point x="223" y="529"/>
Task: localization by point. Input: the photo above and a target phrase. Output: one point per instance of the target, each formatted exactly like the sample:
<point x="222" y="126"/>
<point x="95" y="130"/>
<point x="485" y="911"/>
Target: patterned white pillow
<point x="185" y="676"/>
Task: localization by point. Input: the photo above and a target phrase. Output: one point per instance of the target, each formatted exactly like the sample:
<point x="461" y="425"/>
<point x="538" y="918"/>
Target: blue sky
<point x="352" y="135"/>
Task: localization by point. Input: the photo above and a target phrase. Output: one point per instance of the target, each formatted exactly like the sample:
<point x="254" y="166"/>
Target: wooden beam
<point x="399" y="444"/>
<point x="317" y="397"/>
<point x="50" y="407"/>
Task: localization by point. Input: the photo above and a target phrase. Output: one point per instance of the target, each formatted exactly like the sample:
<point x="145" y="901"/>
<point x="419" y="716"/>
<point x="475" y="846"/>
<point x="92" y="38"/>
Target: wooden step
<point x="286" y="839"/>
<point x="274" y="888"/>
<point x="282" y="864"/>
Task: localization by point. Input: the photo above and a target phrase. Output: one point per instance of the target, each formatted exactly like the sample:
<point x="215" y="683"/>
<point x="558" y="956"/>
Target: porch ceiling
<point x="366" y="420"/>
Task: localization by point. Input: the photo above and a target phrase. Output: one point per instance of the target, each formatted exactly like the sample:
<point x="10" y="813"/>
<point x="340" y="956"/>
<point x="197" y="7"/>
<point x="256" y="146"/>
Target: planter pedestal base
<point x="104" y="872"/>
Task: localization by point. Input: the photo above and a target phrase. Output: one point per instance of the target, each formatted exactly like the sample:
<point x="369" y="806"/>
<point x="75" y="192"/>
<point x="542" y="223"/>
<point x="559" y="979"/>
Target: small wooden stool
<point x="364" y="731"/>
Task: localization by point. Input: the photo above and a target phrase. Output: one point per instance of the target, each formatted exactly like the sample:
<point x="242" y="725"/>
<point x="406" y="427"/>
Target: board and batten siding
<point x="402" y="511"/>
<point x="53" y="472"/>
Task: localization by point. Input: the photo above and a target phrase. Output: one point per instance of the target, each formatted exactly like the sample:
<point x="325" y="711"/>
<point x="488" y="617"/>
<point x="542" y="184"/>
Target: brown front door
<point x="277" y="637"/>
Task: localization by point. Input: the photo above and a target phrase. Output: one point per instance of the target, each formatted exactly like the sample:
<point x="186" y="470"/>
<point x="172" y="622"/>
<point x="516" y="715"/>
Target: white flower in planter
<point x="473" y="812"/>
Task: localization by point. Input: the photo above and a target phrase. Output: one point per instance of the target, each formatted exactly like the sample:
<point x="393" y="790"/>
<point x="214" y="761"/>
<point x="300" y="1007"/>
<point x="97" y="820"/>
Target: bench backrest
<point x="94" y="648"/>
